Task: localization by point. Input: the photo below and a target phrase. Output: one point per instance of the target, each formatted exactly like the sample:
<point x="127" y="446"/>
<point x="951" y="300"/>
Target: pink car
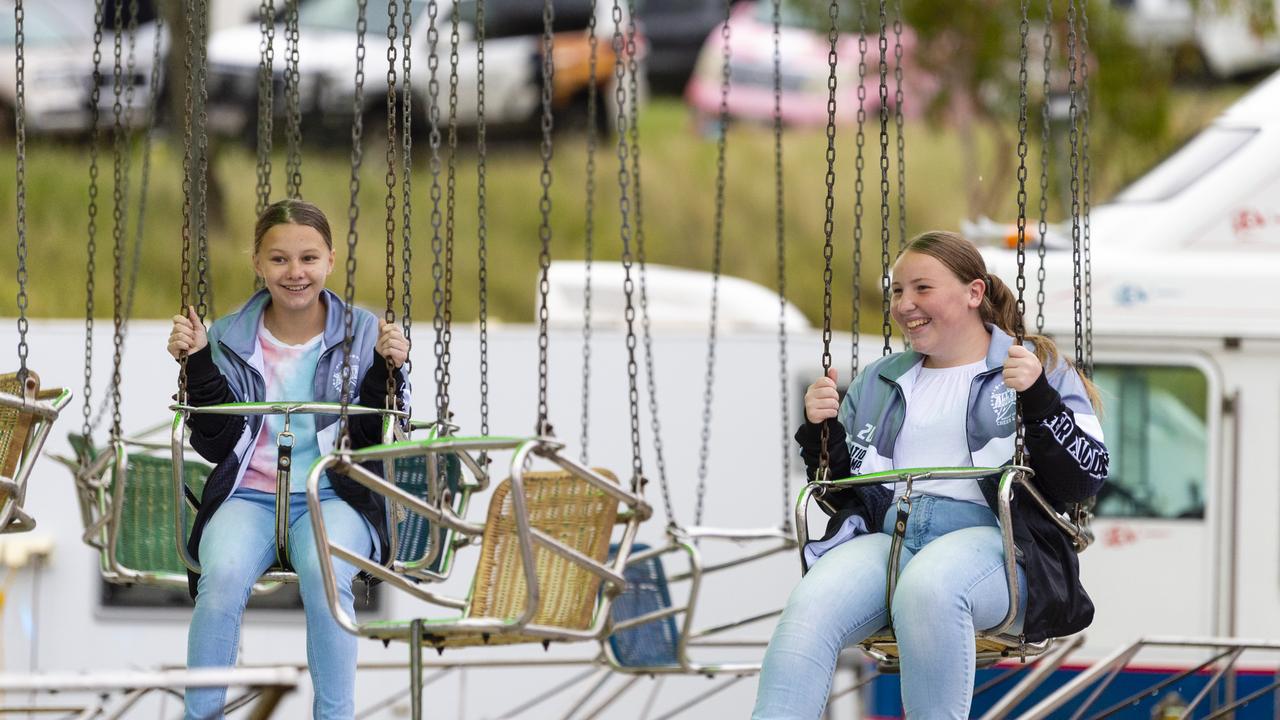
<point x="804" y="48"/>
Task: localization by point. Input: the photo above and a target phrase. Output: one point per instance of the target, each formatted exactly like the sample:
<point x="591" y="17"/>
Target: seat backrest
<point x="653" y="644"/>
<point x="567" y="508"/>
<point x="15" y="425"/>
<point x="417" y="536"/>
<point x="144" y="539"/>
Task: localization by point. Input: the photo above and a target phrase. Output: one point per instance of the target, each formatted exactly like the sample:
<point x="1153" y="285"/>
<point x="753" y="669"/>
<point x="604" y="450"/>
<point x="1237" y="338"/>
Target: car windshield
<point x="1190" y="163"/>
<point x="807" y="15"/>
<point x="341" y="15"/>
<point x="38" y="27"/>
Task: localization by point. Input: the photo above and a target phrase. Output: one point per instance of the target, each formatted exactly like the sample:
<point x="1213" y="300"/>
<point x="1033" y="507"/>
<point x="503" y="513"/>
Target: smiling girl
<point x="949" y="401"/>
<point x="284" y="344"/>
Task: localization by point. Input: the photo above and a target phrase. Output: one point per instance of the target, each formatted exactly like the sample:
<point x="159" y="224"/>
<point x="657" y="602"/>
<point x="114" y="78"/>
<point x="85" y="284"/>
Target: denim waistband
<point x="933" y="516"/>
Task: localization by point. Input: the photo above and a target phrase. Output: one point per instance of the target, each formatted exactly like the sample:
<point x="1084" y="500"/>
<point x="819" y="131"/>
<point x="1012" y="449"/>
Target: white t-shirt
<point x="933" y="433"/>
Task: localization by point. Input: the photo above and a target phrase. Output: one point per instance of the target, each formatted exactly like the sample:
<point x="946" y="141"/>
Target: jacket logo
<point x="857" y="453"/>
<point x="1004" y="401"/>
<point x="865" y="433"/>
<point x="351" y="382"/>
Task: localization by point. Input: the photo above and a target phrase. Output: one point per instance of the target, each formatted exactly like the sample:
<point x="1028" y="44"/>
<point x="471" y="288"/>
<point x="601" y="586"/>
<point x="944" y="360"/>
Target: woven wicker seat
<point x="884" y="648"/>
<point x="144" y="536"/>
<point x="568" y="509"/>
<point x="22" y="433"/>
<point x="420" y="544"/>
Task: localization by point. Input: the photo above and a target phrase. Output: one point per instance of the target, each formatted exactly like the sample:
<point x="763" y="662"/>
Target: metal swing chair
<point x="543" y="573"/>
<point x="645" y="638"/>
<point x="997" y="643"/>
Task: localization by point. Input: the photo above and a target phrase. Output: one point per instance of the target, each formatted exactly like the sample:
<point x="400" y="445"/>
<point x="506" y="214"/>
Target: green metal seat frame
<point x="992" y="645"/>
<point x="26" y="416"/>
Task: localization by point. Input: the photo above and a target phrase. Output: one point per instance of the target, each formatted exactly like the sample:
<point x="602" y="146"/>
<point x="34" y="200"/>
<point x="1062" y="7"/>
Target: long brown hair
<point x="999" y="305"/>
<point x="298" y="212"/>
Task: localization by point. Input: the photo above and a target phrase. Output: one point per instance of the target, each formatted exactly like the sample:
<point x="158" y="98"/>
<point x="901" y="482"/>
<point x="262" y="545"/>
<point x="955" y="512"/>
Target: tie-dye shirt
<point x="289" y="371"/>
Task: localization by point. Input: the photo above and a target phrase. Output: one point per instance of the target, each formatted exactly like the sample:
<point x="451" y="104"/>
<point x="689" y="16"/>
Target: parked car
<point x="676" y="30"/>
<point x="804" y="48"/>
<point x="1222" y="40"/>
<point x="327" y="42"/>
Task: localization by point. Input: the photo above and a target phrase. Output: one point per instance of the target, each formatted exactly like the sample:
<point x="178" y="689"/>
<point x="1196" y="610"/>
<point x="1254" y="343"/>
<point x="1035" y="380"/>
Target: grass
<point x="678" y="177"/>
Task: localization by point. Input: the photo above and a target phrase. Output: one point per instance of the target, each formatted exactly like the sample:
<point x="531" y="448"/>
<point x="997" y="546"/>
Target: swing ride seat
<point x="644" y="637"/>
<point x="26" y="415"/>
<point x="992" y="645"/>
<point x="551" y="526"/>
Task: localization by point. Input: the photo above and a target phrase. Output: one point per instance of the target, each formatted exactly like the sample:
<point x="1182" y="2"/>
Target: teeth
<point x="916" y="323"/>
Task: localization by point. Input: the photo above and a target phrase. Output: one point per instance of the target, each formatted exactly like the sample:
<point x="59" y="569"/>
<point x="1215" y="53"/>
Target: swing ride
<point x="539" y="560"/>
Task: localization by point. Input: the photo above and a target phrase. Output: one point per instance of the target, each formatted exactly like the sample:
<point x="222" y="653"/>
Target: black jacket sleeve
<point x="1070" y="464"/>
<point x="213" y="436"/>
<point x="366" y="430"/>
<point x="809" y="437"/>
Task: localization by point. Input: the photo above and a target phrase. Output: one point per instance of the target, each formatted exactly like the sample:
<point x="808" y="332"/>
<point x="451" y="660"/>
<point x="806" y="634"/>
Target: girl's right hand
<point x="822" y="400"/>
<point x="188" y="335"/>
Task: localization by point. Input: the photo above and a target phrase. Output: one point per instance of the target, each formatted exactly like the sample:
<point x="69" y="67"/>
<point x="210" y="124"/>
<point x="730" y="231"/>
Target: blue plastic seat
<point x="653" y="644"/>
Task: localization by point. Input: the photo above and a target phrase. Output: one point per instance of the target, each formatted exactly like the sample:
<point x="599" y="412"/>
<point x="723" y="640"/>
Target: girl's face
<point x="932" y="305"/>
<point x="293" y="262"/>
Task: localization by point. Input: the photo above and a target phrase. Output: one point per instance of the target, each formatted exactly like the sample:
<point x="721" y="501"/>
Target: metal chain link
<point x="886" y="327"/>
<point x="1045" y="146"/>
<point x="900" y="139"/>
<point x="389" y="223"/>
<point x="1024" y="27"/>
<point x="482" y="230"/>
<point x="780" y="240"/>
<point x="620" y="46"/>
<point x="406" y="182"/>
<point x="266" y="100"/>
<point x="1074" y="116"/>
<point x="437" y="218"/>
<point x="544" y="206"/>
<point x="20" y="136"/>
<point x="828" y="224"/>
<point x="589" y="219"/>
<point x="451" y="189"/>
<point x="201" y="137"/>
<point x="353" y="215"/>
<point x="293" y="103"/>
<point x="859" y="186"/>
<point x="95" y="95"/>
<point x="118" y="209"/>
<point x="1085" y="172"/>
<point x="704" y="449"/>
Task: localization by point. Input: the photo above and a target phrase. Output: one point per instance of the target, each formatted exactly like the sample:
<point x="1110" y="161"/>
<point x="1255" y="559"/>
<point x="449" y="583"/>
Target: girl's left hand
<point x="1021" y="369"/>
<point x="392" y="343"/>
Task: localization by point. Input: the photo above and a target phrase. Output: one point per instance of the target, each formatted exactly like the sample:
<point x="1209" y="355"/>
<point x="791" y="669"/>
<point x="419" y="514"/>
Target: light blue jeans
<point x="238" y="545"/>
<point x="951" y="581"/>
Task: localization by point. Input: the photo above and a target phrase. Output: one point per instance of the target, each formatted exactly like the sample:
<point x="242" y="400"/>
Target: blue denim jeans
<point x="951" y="582"/>
<point x="237" y="547"/>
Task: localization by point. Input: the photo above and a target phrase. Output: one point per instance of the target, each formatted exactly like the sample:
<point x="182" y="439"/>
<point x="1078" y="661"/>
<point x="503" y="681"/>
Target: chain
<point x="353" y="214"/>
<point x="1024" y="27"/>
<point x="1073" y="113"/>
<point x="451" y="186"/>
<point x="437" y="219"/>
<point x="704" y="450"/>
<point x="406" y="183"/>
<point x="1045" y="143"/>
<point x="779" y="233"/>
<point x="859" y="185"/>
<point x="92" y="250"/>
<point x="589" y="230"/>
<point x="621" y="46"/>
<point x="1085" y="182"/>
<point x="293" y="103"/>
<point x="482" y="231"/>
<point x="544" y="205"/>
<point x="20" y="135"/>
<point x="898" y="125"/>
<point x="266" y="101"/>
<point x="118" y="210"/>
<point x="828" y="225"/>
<point x="389" y="224"/>
<point x="201" y="97"/>
<point x="886" y="328"/>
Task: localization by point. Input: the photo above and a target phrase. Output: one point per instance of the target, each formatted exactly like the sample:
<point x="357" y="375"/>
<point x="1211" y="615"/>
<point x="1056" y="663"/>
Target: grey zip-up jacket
<point x="1064" y="447"/>
<point x="230" y="370"/>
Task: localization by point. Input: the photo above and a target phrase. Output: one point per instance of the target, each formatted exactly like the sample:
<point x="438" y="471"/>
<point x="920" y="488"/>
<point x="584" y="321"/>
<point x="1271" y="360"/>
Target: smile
<point x="917" y="324"/>
<point x="296" y="288"/>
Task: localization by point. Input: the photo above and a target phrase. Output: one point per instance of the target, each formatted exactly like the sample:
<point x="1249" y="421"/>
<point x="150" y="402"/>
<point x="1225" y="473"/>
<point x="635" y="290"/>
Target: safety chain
<point x="589" y="226"/>
<point x="901" y="139"/>
<point x="118" y="210"/>
<point x="828" y="225"/>
<point x="482" y="230"/>
<point x="201" y="138"/>
<point x="406" y="184"/>
<point x="1045" y="144"/>
<point x="437" y="219"/>
<point x="1024" y="27"/>
<point x="293" y="103"/>
<point x="266" y="101"/>
<point x="886" y="328"/>
<point x="859" y="186"/>
<point x="544" y="206"/>
<point x="353" y="214"/>
<point x="704" y="449"/>
<point x="20" y="134"/>
<point x="451" y="189"/>
<point x="95" y="95"/>
<point x="779" y="233"/>
<point x="1085" y="171"/>
<point x="389" y="224"/>
<point x="621" y="46"/>
<point x="1074" y="115"/>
